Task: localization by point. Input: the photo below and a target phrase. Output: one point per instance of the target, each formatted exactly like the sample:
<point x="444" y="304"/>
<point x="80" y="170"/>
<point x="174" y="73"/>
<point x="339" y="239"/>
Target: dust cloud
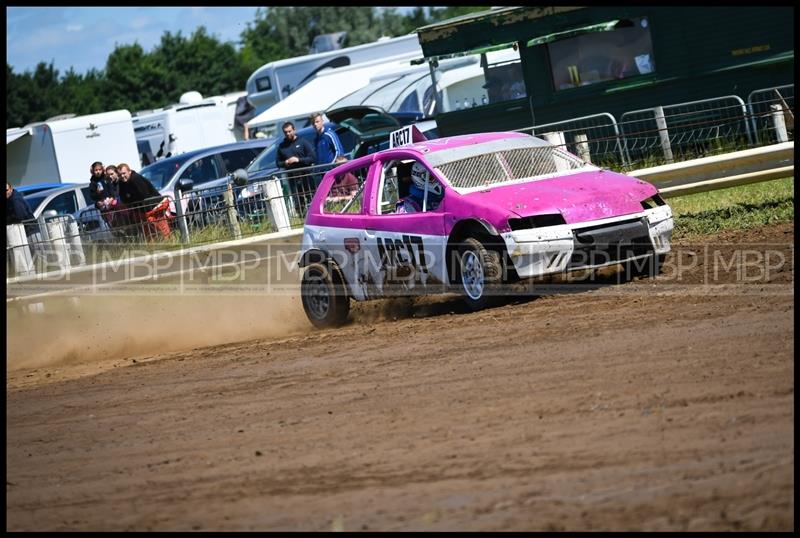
<point x="84" y="329"/>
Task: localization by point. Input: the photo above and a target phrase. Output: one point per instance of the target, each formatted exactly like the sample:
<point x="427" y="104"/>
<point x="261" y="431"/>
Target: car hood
<point x="578" y="197"/>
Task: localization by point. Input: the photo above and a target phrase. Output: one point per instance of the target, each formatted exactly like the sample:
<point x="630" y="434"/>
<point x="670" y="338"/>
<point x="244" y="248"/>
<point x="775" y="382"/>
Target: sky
<point x="83" y="37"/>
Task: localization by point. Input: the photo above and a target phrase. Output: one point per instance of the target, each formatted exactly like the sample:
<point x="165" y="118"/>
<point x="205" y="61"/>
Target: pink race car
<point x="470" y="214"/>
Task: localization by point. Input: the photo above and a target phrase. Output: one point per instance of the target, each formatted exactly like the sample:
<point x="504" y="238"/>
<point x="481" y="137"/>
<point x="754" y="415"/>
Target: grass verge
<point x="742" y="207"/>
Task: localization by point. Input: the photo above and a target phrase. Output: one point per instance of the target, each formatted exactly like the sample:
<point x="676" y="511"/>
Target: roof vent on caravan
<point x="326" y="42"/>
<point x="190" y="98"/>
<point x="61" y="117"/>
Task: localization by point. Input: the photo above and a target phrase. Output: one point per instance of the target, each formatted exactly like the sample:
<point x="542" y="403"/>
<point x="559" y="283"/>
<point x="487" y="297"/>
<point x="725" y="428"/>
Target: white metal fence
<point x="678" y="131"/>
<point x="772" y="114"/>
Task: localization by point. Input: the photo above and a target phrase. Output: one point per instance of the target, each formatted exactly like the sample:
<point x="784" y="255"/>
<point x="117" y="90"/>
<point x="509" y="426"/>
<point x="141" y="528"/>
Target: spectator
<point x="113" y="176"/>
<point x="142" y="201"/>
<point x="17" y="208"/>
<point x="111" y="204"/>
<point x="344" y="185"/>
<point x="135" y="190"/>
<point x="100" y="186"/>
<point x="293" y="153"/>
<point x="326" y="143"/>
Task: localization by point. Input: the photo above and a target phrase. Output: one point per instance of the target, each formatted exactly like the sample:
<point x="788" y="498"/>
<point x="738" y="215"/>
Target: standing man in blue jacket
<point x="326" y="143"/>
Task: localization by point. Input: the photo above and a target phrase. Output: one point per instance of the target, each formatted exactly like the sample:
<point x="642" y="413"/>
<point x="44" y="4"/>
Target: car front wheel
<point x="324" y="299"/>
<point x="479" y="273"/>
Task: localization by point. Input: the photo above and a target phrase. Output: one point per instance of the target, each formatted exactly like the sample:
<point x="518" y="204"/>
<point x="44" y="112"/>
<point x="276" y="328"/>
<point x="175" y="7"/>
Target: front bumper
<point x="571" y="247"/>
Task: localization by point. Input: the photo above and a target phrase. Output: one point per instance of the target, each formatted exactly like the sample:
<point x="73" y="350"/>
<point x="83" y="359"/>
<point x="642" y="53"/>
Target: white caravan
<point x="193" y="123"/>
<point x="228" y="102"/>
<point x="320" y="92"/>
<point x="460" y="83"/>
<point x="62" y="150"/>
<point x="274" y="81"/>
<point x="409" y="89"/>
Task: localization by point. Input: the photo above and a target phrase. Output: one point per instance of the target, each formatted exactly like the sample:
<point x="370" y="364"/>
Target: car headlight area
<point x="593" y="244"/>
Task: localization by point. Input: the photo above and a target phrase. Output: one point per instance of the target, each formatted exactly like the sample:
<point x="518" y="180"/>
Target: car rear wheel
<point x="324" y="298"/>
<point x="479" y="273"/>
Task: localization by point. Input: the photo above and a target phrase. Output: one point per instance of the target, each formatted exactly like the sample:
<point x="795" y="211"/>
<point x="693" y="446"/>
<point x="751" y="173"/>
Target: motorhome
<point x="192" y="123"/>
<point x="274" y="81"/>
<point x="62" y="150"/>
<point x="320" y="92"/>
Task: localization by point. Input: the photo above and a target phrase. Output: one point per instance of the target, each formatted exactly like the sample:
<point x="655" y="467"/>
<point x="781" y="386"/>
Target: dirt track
<point x="656" y="405"/>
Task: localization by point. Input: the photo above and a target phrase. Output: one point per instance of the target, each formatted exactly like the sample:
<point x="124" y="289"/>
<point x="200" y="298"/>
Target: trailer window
<point x="622" y="52"/>
<point x="493" y="76"/>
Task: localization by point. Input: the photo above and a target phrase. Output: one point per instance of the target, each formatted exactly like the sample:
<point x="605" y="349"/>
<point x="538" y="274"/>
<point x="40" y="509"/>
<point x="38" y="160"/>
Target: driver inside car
<point x="413" y="203"/>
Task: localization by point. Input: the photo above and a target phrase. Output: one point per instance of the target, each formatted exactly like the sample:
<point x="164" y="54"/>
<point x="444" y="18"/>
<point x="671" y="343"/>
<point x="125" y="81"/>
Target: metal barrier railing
<point x="595" y="136"/>
<point x="676" y="132"/>
<point x="39" y="245"/>
<point x="686" y="128"/>
<point x="772" y="114"/>
<point x="202" y="215"/>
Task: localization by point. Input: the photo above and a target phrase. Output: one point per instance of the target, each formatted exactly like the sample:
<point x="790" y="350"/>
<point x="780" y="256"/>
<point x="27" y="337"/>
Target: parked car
<point x="202" y="166"/>
<point x="63" y="199"/>
<point x="358" y="133"/>
<point x="74" y="200"/>
<point x="203" y="171"/>
<point x="361" y="129"/>
<point x="488" y="210"/>
<point x="25" y="190"/>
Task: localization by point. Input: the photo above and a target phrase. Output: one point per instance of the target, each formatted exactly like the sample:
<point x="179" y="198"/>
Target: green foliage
<point x="135" y="79"/>
<point x="286" y="32"/>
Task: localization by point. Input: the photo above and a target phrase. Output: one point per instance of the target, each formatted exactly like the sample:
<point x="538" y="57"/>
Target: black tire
<point x="478" y="274"/>
<point x="648" y="268"/>
<point x="325" y="300"/>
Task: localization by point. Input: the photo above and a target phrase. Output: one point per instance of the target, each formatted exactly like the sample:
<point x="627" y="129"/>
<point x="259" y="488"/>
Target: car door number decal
<point x="393" y="252"/>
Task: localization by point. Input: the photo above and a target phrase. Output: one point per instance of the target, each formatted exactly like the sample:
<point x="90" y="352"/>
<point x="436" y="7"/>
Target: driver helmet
<point x="420" y="176"/>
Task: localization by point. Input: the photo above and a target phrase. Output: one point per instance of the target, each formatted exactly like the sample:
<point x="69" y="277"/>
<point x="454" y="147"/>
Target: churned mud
<point x="657" y="404"/>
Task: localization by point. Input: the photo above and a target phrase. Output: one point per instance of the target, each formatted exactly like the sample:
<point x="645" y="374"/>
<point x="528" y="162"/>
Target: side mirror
<point x="49" y="213"/>
<point x="239" y="177"/>
<point x="185" y="184"/>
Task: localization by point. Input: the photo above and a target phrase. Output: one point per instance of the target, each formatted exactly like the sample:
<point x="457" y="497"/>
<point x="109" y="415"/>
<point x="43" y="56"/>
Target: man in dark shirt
<point x="295" y="152"/>
<point x="136" y="191"/>
<point x="17" y="209"/>
<point x="137" y="195"/>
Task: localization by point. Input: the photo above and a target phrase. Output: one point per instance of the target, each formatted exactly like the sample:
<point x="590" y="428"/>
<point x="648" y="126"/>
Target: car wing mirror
<point x="185" y="184"/>
<point x="239" y="177"/>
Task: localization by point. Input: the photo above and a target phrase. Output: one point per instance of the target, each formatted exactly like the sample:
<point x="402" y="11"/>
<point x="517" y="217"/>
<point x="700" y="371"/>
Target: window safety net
<point x="502" y="166"/>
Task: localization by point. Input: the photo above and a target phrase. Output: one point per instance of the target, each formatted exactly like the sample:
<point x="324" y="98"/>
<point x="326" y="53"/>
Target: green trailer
<point x="572" y="62"/>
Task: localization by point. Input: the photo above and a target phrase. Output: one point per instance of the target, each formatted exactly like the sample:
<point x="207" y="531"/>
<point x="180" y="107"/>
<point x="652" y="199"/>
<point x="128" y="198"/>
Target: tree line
<point x="135" y="79"/>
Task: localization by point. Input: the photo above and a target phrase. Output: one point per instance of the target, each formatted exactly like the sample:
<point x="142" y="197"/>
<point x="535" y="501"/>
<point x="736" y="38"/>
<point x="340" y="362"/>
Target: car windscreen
<point x="265" y="160"/>
<point x="371" y="122"/>
<point x="161" y="172"/>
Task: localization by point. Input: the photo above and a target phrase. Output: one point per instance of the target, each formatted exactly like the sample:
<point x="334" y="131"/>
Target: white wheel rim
<point x="472" y="275"/>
